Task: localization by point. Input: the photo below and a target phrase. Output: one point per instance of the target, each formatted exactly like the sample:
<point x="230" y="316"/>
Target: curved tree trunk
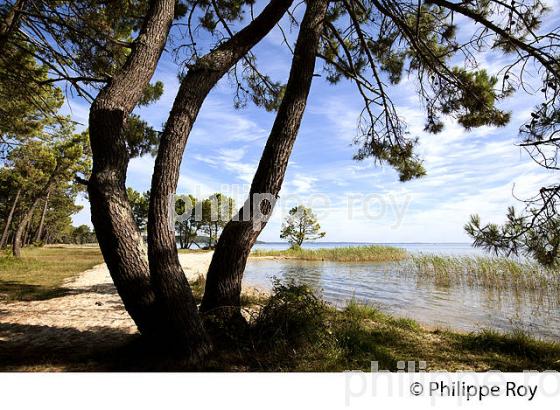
<point x="167" y="275"/>
<point x="19" y="235"/>
<point x="223" y="282"/>
<point x="4" y="239"/>
<point x="26" y="235"/>
<point x="118" y="236"/>
<point x="42" y="221"/>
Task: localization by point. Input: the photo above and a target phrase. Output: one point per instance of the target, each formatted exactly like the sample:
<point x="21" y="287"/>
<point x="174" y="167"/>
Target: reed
<point x="370" y="253"/>
<point x="488" y="272"/>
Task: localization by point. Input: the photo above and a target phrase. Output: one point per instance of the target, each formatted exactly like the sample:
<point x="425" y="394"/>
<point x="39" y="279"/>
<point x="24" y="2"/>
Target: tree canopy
<point x="301" y="225"/>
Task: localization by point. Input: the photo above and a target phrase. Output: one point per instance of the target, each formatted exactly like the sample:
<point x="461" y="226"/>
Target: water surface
<point x="455" y="307"/>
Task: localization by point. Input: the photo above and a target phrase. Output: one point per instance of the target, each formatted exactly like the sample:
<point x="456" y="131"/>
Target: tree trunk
<point x="4" y="239"/>
<point x="26" y="236"/>
<point x="42" y="221"/>
<point x="118" y="236"/>
<point x="19" y="238"/>
<point x="181" y="243"/>
<point x="19" y="235"/>
<point x="168" y="277"/>
<point x="223" y="282"/>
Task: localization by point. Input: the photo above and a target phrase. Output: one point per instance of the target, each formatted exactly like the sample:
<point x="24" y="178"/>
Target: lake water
<point x="381" y="285"/>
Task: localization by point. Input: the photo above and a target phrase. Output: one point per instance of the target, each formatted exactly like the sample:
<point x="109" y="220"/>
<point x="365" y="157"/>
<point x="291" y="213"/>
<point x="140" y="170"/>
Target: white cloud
<point x="303" y="183"/>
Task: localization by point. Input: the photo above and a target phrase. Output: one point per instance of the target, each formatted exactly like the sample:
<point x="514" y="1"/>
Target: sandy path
<point x="89" y="318"/>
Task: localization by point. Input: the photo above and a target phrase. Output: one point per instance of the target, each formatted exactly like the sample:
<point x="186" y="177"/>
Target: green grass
<point x="247" y="300"/>
<point x="487" y="272"/>
<point x="370" y="253"/>
<point x="40" y="272"/>
<point x="297" y="331"/>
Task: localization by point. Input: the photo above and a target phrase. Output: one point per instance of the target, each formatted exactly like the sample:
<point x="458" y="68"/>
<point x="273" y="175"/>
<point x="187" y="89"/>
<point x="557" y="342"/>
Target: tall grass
<point x="488" y="272"/>
<point x="297" y="331"/>
<point x="370" y="253"/>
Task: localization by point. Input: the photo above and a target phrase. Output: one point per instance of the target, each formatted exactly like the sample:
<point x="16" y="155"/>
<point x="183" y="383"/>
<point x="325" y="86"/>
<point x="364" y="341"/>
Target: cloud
<point x="302" y="183"/>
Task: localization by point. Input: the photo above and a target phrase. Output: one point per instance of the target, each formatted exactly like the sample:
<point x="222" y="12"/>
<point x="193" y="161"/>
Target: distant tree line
<point x="37" y="183"/>
<point x="199" y="222"/>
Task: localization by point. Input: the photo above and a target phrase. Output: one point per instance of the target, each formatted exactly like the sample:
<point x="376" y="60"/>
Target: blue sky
<point x="467" y="172"/>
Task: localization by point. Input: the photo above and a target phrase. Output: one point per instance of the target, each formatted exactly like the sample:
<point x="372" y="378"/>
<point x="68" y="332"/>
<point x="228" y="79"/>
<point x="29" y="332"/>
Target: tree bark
<point x="118" y="236"/>
<point x="27" y="230"/>
<point x="223" y="282"/>
<point x="167" y="275"/>
<point x="181" y="242"/>
<point x="4" y="239"/>
<point x="42" y="221"/>
<point x="19" y="235"/>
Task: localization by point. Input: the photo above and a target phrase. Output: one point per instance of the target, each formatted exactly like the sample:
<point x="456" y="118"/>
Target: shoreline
<point x="73" y="331"/>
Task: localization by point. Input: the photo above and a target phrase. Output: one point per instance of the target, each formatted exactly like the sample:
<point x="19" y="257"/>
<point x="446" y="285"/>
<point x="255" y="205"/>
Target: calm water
<point x="464" y="308"/>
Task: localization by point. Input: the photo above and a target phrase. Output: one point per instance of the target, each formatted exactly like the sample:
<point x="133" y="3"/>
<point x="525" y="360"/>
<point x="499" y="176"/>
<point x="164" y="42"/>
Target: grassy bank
<point x="487" y="272"/>
<point x="41" y="271"/>
<point x="296" y="331"/>
<point x="292" y="330"/>
<point x="373" y="253"/>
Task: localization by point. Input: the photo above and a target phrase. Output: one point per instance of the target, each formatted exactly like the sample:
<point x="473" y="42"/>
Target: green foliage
<point x="44" y="169"/>
<point x="95" y="38"/>
<point x="217" y="211"/>
<point x="400" y="157"/>
<point x="520" y="235"/>
<point x="230" y="11"/>
<point x="83" y="235"/>
<point x="190" y="222"/>
<point x="471" y="99"/>
<point x="141" y="138"/>
<point x="139" y="203"/>
<point x="58" y="157"/>
<point x="293" y="316"/>
<point x="152" y="93"/>
<point x="257" y="87"/>
<point x="209" y="215"/>
<point x="82" y="42"/>
<point x="301" y="225"/>
<point x="28" y="104"/>
<point x="372" y="43"/>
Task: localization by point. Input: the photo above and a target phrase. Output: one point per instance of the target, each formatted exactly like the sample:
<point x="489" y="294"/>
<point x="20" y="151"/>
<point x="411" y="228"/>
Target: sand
<point x="89" y="318"/>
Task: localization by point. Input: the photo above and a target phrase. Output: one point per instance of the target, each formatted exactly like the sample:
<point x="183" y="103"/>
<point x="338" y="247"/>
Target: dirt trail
<point x="90" y="318"/>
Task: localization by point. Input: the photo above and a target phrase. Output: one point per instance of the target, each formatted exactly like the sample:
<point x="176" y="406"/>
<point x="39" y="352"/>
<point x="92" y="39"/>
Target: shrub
<point x="293" y="315"/>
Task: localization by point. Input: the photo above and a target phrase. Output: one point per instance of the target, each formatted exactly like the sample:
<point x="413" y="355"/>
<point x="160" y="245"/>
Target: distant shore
<point x="367" y="253"/>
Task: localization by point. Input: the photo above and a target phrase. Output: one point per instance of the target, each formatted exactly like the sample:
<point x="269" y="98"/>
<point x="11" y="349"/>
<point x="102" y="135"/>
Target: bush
<point x="292" y="316"/>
